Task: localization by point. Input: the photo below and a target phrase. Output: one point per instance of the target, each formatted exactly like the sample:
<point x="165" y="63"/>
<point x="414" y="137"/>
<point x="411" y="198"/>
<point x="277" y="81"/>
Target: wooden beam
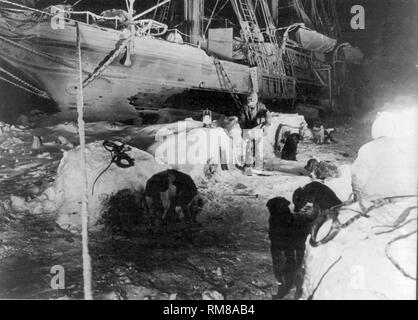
<point x="274" y="4"/>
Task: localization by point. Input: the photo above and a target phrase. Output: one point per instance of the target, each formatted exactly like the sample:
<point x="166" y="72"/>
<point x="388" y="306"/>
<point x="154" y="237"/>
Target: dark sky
<point x="381" y="17"/>
<point x="377" y="12"/>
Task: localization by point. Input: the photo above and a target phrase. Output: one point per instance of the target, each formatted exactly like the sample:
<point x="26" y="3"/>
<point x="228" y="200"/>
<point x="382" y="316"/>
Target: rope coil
<point x="118" y="156"/>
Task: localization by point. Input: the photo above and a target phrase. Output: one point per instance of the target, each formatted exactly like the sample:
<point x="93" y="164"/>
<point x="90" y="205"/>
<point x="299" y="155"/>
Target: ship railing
<point x="53" y="11"/>
<point x="89" y="16"/>
<point x="150" y="27"/>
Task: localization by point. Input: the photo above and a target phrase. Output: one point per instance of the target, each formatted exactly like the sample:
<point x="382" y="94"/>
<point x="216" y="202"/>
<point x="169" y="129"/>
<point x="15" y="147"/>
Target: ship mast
<point x="274" y="4"/>
<point x="194" y="15"/>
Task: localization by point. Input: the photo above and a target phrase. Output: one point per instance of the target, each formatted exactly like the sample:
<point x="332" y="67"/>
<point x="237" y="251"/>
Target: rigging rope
<point x="28" y="88"/>
<point x="43" y="12"/>
<point x="211" y="16"/>
<point x="104" y="64"/>
<point x="41" y="54"/>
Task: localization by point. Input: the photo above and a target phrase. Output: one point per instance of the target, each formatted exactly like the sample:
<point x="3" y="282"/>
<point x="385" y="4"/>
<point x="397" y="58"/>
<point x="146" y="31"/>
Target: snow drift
<point x="68" y="190"/>
<point x="386" y="166"/>
<point x="191" y="151"/>
<point x="375" y="257"/>
<point x="341" y="185"/>
<point x="366" y="260"/>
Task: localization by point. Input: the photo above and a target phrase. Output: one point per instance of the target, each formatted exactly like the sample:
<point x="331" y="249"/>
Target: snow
<point x="400" y="124"/>
<point x="192" y="150"/>
<point x="342" y="184"/>
<point x="36" y="206"/>
<point x="68" y="190"/>
<point x="386" y="166"/>
<point x="358" y="257"/>
<point x="364" y="271"/>
<point x="229" y="194"/>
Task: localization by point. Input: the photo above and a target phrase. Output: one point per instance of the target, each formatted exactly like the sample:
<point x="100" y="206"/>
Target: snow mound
<point x="387" y="166"/>
<point x="145" y="137"/>
<point x="360" y="262"/>
<point x="67" y="127"/>
<point x="194" y="149"/>
<point x="342" y="184"/>
<point x="375" y="257"/>
<point x="400" y="124"/>
<point x="157" y="130"/>
<point x="68" y="188"/>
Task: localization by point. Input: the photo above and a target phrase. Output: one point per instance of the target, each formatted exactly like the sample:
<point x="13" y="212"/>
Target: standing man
<point x="254" y="118"/>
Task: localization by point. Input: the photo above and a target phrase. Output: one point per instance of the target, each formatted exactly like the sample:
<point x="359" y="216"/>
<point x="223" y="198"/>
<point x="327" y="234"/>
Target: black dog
<point x="287" y="233"/>
<point x="291" y="147"/>
<point x="169" y="189"/>
<point x="317" y="193"/>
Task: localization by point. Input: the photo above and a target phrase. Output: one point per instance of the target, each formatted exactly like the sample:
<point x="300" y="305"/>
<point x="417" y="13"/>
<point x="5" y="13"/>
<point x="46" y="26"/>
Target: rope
<point x="96" y="73"/>
<point x="179" y="32"/>
<point x="219" y="11"/>
<point x="41" y="54"/>
<point x="25" y="7"/>
<point x="332" y="214"/>
<point x="118" y="156"/>
<point x="211" y="16"/>
<point x="322" y="278"/>
<point x="100" y="174"/>
<point x="224" y="81"/>
<point x="43" y="12"/>
<point x="84" y="203"/>
<point x="28" y="88"/>
<point x="337" y="226"/>
<point x="104" y="64"/>
<point x="393" y="261"/>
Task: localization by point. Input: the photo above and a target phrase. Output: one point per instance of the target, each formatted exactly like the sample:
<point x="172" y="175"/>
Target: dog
<point x="329" y="136"/>
<point x="317" y="193"/>
<point x="291" y="146"/>
<point x="168" y="190"/>
<point x="318" y="134"/>
<point x="321" y="169"/>
<point x="287" y="233"/>
<point x="323" y="136"/>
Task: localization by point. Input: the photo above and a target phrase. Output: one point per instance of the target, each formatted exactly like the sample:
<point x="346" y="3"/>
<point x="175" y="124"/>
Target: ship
<point x="134" y="62"/>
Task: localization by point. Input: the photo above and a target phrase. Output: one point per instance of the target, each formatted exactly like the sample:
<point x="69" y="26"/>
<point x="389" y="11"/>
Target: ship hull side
<point x="159" y="70"/>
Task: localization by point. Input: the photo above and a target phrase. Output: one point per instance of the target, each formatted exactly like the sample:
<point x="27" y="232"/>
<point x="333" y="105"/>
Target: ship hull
<point x="48" y="59"/>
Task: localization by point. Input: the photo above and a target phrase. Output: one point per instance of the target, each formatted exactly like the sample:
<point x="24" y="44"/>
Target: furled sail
<point x="314" y="41"/>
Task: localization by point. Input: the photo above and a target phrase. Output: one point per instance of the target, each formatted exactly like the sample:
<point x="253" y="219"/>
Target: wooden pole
<point x="130" y="8"/>
<point x="194" y="14"/>
<point x="186" y="16"/>
<point x="150" y="9"/>
<point x="84" y="201"/>
<point x="275" y="11"/>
